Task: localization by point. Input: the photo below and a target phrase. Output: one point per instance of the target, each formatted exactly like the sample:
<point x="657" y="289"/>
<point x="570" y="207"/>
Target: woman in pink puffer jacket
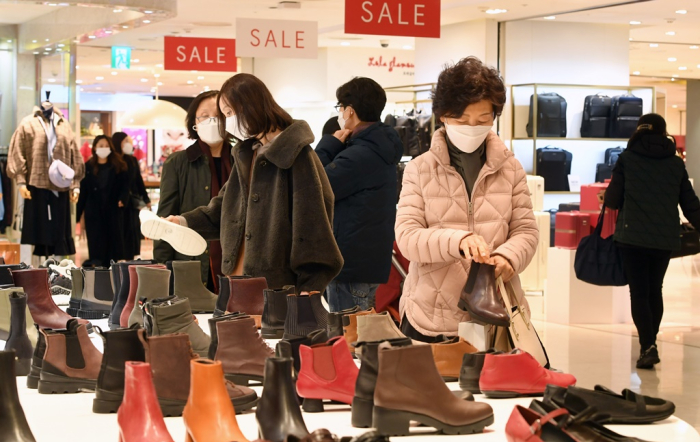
<point x="465" y="200"/>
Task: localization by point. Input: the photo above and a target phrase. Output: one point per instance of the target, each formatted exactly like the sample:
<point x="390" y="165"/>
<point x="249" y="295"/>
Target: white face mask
<point x="467" y="138"/>
<point x="208" y="131"/>
<point x="128" y="148"/>
<point x="341" y="119"/>
<point x="103" y="152"/>
<point x="233" y="128"/>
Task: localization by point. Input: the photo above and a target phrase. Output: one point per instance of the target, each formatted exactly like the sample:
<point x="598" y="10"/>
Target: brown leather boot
<point x="71" y="362"/>
<point x="350" y="327"/>
<point x="170" y="357"/>
<point x="246" y="296"/>
<point x="481" y="299"/>
<point x="241" y="350"/>
<point x="409" y="387"/>
<point x="448" y="357"/>
<point x="45" y="312"/>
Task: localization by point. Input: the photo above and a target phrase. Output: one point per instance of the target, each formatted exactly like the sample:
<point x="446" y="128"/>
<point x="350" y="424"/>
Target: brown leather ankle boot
<point x="246" y="296"/>
<point x="71" y="362"/>
<point x="481" y="299"/>
<point x="241" y="350"/>
<point x="409" y="387"/>
<point x="448" y="355"/>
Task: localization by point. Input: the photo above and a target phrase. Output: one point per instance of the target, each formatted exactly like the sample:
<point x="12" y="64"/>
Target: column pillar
<point x="692" y="140"/>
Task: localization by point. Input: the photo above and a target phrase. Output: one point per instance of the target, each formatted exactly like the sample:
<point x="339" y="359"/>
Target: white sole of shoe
<point x="182" y="239"/>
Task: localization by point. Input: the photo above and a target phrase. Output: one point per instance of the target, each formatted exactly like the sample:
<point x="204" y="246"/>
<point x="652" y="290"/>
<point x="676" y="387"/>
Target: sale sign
<point x="276" y="38"/>
<point x="200" y="54"/>
<point x="405" y="18"/>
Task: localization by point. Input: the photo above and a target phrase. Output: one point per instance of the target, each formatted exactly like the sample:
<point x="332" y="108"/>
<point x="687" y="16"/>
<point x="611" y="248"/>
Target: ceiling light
<point x="92" y="37"/>
<point x="156" y="75"/>
<point x="194" y="72"/>
<point x="672" y="59"/>
<point x="125" y="27"/>
<point x="78" y="81"/>
<point x="160" y="83"/>
<point x="33" y="41"/>
<point x="673" y="79"/>
<point x="200" y="77"/>
<point x="135" y="60"/>
<point x="159" y="65"/>
<point x="46" y="53"/>
<point x="60" y="45"/>
<point x="496" y="11"/>
<point x="653" y="45"/>
<point x="549" y="17"/>
<point x="48" y="49"/>
<point x="98" y="88"/>
<point x="36" y="53"/>
<point x="99" y="78"/>
<point x="408" y="47"/>
<point x="631" y="38"/>
<point x="114" y="73"/>
<point x="635" y="22"/>
<point x="682" y="68"/>
<point x="671" y="33"/>
<point x="694" y="47"/>
<point x="58" y="50"/>
<point x="681" y="11"/>
<point x="144" y="80"/>
<point x="635" y="73"/>
<point x="82" y="90"/>
<point x="117" y="10"/>
<point x="52" y="80"/>
<point x="77" y="67"/>
<point x="147" y="21"/>
<point x="53" y="4"/>
<point x="675" y="106"/>
<point x="206" y="88"/>
<point x="190" y="82"/>
<point x="47" y="39"/>
<point x="676" y="75"/>
<point x="108" y="32"/>
<point x="148" y="12"/>
<point x="344" y="43"/>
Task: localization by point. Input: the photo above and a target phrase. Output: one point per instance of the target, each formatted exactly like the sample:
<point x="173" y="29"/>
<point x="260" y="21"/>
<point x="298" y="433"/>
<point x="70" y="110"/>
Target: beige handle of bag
<point x="509" y="306"/>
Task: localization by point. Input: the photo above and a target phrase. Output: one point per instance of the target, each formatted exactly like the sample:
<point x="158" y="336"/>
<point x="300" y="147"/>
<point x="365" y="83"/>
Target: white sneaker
<point x="184" y="240"/>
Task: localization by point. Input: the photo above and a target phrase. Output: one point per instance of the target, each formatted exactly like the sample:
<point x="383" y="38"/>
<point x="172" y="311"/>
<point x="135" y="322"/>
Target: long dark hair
<point x="117" y="139"/>
<point x="115" y="159"/>
<point x="257" y="111"/>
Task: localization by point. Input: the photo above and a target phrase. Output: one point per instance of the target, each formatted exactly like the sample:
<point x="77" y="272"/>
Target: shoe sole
<point x="640" y="420"/>
<point x="243" y="379"/>
<point x="478" y="318"/>
<point x="493" y="394"/>
<point x="107" y="403"/>
<point x="33" y="377"/>
<point x="53" y="384"/>
<point x="182" y="239"/>
<point x="174" y="408"/>
<point x="272" y="333"/>
<point x="396" y="423"/>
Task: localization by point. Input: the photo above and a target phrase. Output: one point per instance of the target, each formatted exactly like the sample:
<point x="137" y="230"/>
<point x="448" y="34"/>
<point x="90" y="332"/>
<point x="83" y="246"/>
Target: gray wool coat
<point x="285" y="215"/>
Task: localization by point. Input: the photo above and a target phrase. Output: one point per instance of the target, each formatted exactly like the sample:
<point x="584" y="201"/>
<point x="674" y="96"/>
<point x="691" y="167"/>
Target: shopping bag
<point x="476" y="334"/>
<point x="690" y="242"/>
<point x="598" y="260"/>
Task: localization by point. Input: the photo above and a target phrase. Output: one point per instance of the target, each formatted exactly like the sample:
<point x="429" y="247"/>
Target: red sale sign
<point x="405" y="18"/>
<point x="200" y="54"/>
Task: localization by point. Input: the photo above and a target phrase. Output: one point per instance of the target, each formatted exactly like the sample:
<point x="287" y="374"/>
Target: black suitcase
<point x="604" y="170"/>
<point x="569" y="207"/>
<point x="424" y="132"/>
<point x="554" y="165"/>
<point x="399" y="179"/>
<point x="596" y="116"/>
<point x="409" y="135"/>
<point x="624" y="115"/>
<point x="612" y="154"/>
<point x="552" y="225"/>
<point x="551" y="115"/>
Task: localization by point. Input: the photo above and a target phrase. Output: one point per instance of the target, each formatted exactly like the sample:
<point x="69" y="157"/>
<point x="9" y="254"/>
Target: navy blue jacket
<point x="362" y="173"/>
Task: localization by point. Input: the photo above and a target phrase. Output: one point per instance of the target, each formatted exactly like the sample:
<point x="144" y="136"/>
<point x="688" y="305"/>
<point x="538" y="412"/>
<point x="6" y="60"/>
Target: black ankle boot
<point x="76" y="292"/>
<point x="363" y="402"/>
<point x="275" y="312"/>
<point x="335" y="321"/>
<point x="648" y="358"/>
<point x="13" y="423"/>
<point x="98" y="297"/>
<point x="224" y="294"/>
<point x="120" y="346"/>
<point x="18" y="339"/>
<point x="278" y="412"/>
<point x="305" y="315"/>
<point x="115" y="277"/>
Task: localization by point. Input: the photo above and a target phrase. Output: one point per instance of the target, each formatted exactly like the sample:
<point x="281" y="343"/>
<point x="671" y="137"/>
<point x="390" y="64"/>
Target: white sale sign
<point x="276" y="38"/>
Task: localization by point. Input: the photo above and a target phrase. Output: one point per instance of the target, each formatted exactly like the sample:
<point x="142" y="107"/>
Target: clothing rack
<point x="415" y="90"/>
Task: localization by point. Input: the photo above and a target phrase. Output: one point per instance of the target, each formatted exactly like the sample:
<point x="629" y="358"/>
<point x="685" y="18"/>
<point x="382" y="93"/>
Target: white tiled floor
<point x="596" y="354"/>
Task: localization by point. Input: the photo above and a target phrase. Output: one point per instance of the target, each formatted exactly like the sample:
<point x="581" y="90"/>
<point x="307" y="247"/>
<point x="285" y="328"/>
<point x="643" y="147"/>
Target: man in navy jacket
<point x="360" y="160"/>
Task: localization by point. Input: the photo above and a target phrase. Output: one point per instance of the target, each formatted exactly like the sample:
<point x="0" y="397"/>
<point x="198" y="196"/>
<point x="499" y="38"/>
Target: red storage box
<point x="591" y="207"/>
<point x="570" y="228"/>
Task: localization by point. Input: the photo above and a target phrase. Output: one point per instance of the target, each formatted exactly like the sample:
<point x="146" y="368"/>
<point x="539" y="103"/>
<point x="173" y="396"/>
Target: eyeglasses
<point x="211" y="119"/>
<point x="337" y="107"/>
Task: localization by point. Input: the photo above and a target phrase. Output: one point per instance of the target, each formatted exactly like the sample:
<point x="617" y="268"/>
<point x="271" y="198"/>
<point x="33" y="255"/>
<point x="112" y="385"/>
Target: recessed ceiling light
<point x="549" y="17"/>
<point x="114" y="73"/>
<point x="60" y="45"/>
<point x="194" y="72"/>
<point x="676" y="75"/>
<point x="408" y="47"/>
<point x="52" y="80"/>
<point x="99" y="78"/>
<point x="108" y="32"/>
<point x="344" y="43"/>
<point x="159" y="65"/>
<point x="673" y="79"/>
<point x="694" y="47"/>
<point x="496" y="11"/>
<point x="125" y="27"/>
<point x="147" y="21"/>
<point x="92" y="37"/>
<point x="200" y="77"/>
<point x="631" y="38"/>
<point x="47" y="39"/>
<point x="682" y="68"/>
<point x="98" y="88"/>
<point x="635" y="73"/>
<point x="653" y="45"/>
<point x="53" y="4"/>
<point x="77" y="67"/>
<point x="671" y="33"/>
<point x="156" y="75"/>
<point x="672" y="59"/>
<point x="58" y="50"/>
<point x="33" y="41"/>
<point x="206" y="88"/>
<point x="190" y="82"/>
<point x="148" y="12"/>
<point x="82" y="90"/>
<point x="116" y="10"/>
<point x="36" y="53"/>
<point x="675" y="106"/>
<point x="48" y="49"/>
<point x="681" y="11"/>
<point x="160" y="83"/>
<point x="635" y="22"/>
<point x="78" y="81"/>
<point x="46" y="53"/>
<point x="144" y="80"/>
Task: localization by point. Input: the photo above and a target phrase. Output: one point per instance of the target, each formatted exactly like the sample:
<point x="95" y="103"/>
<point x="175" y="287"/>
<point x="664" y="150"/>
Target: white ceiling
<point x="11" y="13"/>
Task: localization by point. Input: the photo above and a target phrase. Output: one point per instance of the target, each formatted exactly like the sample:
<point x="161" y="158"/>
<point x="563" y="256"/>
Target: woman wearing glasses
<point x="192" y="177"/>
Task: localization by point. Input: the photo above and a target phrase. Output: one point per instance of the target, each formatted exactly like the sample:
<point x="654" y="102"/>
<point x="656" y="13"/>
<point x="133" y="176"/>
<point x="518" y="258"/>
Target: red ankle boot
<point x="131" y="300"/>
<point x="517" y="374"/>
<point x="327" y="372"/>
<point x="139" y="416"/>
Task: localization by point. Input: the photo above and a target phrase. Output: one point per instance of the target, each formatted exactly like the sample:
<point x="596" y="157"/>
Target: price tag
<point x="574" y="183"/>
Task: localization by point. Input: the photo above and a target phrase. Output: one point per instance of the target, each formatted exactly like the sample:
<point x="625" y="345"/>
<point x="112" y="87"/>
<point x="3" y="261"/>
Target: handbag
<point x="137" y="202"/>
<point x="598" y="261"/>
<point x="690" y="242"/>
<point x="521" y="332"/>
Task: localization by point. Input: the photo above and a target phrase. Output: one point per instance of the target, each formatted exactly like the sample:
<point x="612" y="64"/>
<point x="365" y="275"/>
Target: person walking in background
<point x="463" y="201"/>
<point x="360" y="160"/>
<point x="138" y="197"/>
<point x="104" y="194"/>
<point x="648" y="183"/>
<point x="192" y="177"/>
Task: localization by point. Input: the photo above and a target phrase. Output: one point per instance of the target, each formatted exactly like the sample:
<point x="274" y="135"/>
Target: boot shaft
<point x="224" y="294"/>
<point x="246" y="295"/>
<point x="72" y="354"/>
<point x="377" y="327"/>
<point x="35" y="283"/>
<point x="207" y="384"/>
<point x="213" y="333"/>
<point x="174" y="315"/>
<point x="98" y="286"/>
<point x="335" y="321"/>
<point x="120" y="346"/>
<point x="275" y="306"/>
<point x="305" y="314"/>
<point x="78" y="283"/>
<point x="153" y="282"/>
<point x="187" y="281"/>
<point x="169" y="357"/>
<point x="240" y="342"/>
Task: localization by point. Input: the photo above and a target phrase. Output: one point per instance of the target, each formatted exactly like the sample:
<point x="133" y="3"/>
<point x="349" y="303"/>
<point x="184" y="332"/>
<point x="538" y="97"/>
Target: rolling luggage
<point x="624" y="115"/>
<point x="604" y="170"/>
<point x="596" y="116"/>
<point x="554" y="165"/>
<point x="533" y="277"/>
<point x="552" y="224"/>
<point x="408" y="134"/>
<point x="591" y="206"/>
<point x="571" y="228"/>
<point x="569" y="207"/>
<point x="536" y="186"/>
<point x="551" y="115"/>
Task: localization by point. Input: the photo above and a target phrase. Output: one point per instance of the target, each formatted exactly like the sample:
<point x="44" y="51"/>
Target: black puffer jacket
<point x="648" y="183"/>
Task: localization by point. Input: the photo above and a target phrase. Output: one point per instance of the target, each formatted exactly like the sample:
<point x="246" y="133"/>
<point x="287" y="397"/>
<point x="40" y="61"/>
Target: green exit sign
<point x="121" y="57"/>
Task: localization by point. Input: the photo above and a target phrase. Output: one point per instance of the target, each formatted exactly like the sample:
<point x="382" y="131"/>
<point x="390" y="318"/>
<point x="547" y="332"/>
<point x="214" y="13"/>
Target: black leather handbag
<point x="690" y="242"/>
<point x="598" y="261"/>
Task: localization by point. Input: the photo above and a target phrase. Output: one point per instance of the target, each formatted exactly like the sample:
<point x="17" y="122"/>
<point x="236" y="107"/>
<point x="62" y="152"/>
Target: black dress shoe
<point x="648" y="358"/>
<point x="611" y="408"/>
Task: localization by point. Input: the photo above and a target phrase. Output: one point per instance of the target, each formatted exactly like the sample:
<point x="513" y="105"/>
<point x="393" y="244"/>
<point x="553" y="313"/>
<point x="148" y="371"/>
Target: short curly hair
<point x="464" y="83"/>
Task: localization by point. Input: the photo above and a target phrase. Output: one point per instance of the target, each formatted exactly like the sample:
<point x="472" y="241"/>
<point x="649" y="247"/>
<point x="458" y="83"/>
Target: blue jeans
<point x="345" y="295"/>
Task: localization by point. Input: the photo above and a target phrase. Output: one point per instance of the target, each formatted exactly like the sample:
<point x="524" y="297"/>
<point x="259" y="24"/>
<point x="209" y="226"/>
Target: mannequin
<point x="41" y="138"/>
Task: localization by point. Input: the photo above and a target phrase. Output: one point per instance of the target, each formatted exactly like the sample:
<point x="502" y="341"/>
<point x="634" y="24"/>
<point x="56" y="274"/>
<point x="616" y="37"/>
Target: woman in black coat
<point x="648" y="183"/>
<point x="104" y="193"/>
<point x="124" y="145"/>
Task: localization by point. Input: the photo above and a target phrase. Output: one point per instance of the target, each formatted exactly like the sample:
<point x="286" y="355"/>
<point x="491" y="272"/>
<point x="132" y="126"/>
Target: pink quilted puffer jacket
<point x="435" y="214"/>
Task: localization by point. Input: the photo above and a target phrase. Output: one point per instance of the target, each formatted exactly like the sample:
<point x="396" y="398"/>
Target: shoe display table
<point x="69" y="418"/>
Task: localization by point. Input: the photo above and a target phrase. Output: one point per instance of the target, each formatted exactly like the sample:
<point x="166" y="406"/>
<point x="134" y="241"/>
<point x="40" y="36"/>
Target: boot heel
<point x="390" y="422"/>
<point x="312" y="405"/>
<point x="362" y="412"/>
<point x="23" y="367"/>
<point x="188" y="437"/>
<point x="462" y="305"/>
